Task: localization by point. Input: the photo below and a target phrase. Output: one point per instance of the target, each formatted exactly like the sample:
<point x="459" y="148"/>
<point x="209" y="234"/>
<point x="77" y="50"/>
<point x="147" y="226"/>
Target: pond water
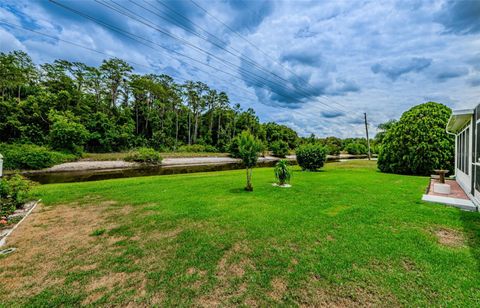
<point x="96" y="175"/>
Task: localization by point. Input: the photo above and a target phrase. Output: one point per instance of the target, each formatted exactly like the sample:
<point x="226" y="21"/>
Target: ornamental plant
<point x="418" y="143"/>
<point x="282" y="172"/>
<point x="311" y="157"/>
<point x="248" y="148"/>
<point x="14" y="192"/>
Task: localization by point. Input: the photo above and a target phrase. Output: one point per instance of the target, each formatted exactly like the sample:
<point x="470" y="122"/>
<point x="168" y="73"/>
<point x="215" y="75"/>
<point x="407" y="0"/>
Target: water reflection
<point x="97" y="175"/>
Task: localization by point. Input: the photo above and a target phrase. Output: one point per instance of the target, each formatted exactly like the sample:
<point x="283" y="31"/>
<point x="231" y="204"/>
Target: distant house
<point x="465" y="125"/>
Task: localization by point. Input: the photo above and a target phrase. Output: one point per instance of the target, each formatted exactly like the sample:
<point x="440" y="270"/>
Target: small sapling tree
<point x="248" y="149"/>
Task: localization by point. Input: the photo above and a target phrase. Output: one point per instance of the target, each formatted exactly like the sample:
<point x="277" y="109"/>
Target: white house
<point x="465" y="125"/>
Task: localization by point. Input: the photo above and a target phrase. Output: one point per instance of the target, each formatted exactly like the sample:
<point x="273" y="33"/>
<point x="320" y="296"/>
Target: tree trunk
<point x="218" y="128"/>
<point x="19" y="87"/>
<point x="211" y="126"/>
<point x="189" y="129"/>
<point x="136" y="115"/>
<point x="176" y="130"/>
<point x="249" y="186"/>
<point x="233" y="128"/>
<point x="195" y="129"/>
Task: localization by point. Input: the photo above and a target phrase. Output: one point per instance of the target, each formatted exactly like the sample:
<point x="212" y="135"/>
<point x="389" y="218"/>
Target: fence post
<point x="1" y="165"/>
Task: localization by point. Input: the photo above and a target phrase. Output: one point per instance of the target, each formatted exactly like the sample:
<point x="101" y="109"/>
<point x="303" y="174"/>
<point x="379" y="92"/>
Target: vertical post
<point x="368" y="140"/>
<point x="1" y="165"/>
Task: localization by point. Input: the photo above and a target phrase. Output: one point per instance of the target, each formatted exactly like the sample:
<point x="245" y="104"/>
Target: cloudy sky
<point x="315" y="66"/>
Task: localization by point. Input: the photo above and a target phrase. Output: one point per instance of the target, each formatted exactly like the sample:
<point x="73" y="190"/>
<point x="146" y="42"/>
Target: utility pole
<point x="368" y="140"/>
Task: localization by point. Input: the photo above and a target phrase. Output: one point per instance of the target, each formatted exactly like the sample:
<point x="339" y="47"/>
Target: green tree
<point x="114" y="72"/>
<point x="382" y="130"/>
<point x="418" y="142"/>
<point x="66" y="134"/>
<point x="279" y="148"/>
<point x="248" y="148"/>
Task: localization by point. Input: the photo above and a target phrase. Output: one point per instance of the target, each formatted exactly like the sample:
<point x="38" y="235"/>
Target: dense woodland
<point x="113" y="109"/>
<point x="73" y="107"/>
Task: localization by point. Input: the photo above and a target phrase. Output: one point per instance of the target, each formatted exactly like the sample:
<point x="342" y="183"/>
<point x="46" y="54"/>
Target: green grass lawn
<point x="345" y="236"/>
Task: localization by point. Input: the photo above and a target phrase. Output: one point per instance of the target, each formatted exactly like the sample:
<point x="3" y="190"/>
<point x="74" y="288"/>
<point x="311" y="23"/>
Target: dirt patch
<point x="450" y="237"/>
<point x="193" y="271"/>
<point x="53" y="241"/>
<point x="278" y="289"/>
<point x="226" y="268"/>
<point x="165" y="234"/>
<point x="342" y="297"/>
<point x="97" y="287"/>
<point x="230" y="269"/>
<point x="409" y="265"/>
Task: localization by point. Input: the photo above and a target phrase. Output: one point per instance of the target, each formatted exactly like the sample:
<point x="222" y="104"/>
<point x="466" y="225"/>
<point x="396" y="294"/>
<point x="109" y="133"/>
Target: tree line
<point x="73" y="106"/>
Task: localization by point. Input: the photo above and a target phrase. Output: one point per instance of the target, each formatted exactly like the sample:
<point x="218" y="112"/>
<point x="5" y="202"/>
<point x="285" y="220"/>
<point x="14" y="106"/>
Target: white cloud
<point x="333" y="45"/>
<point x="9" y="42"/>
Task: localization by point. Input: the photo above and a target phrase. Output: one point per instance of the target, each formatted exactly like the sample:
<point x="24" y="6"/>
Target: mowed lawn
<point x="346" y="236"/>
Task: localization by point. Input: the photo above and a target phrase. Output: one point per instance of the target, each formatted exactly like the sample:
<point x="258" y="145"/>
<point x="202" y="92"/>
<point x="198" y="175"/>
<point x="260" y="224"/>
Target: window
<point x="463" y="149"/>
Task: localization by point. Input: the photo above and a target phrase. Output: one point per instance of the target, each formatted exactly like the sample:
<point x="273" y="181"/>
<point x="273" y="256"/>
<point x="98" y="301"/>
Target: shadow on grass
<point x="240" y="190"/>
<point x="471" y="226"/>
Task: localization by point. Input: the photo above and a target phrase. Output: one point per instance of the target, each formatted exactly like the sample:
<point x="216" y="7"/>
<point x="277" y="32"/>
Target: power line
<point x="220" y="46"/>
<point x="258" y="48"/>
<point x="91" y="49"/>
<point x="110" y="55"/>
<point x="142" y="41"/>
<point x="230" y="64"/>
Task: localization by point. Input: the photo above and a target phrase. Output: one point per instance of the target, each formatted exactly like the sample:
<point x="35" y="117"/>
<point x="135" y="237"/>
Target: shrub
<point x="233" y="147"/>
<point x="14" y="192"/>
<point x="144" y="155"/>
<point x="311" y="156"/>
<point x="248" y="148"/>
<point x="356" y="148"/>
<point x="418" y="142"/>
<point x="29" y="156"/>
<point x="196" y="148"/>
<point x="282" y="172"/>
<point x="67" y="135"/>
<point x="333" y="145"/>
<point x="263" y="149"/>
<point x="279" y="148"/>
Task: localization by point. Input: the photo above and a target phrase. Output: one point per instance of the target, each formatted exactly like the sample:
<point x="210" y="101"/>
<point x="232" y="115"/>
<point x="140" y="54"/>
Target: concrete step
<point x="463" y="204"/>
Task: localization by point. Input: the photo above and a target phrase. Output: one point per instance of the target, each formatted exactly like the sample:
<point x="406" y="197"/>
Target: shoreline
<point x="105" y="165"/>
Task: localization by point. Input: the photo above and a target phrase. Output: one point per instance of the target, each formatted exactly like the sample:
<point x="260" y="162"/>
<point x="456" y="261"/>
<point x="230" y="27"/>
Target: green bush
<point x="14" y="192"/>
<point x="356" y="148"/>
<point x="233" y="147"/>
<point x="67" y="135"/>
<point x="418" y="142"/>
<point x="333" y="145"/>
<point x="144" y="155"/>
<point x="196" y="148"/>
<point x="282" y="172"/>
<point x="311" y="156"/>
<point x="32" y="157"/>
<point x="279" y="148"/>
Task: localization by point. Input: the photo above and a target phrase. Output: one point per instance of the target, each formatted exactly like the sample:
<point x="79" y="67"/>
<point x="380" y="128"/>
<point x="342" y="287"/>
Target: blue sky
<point x="315" y="66"/>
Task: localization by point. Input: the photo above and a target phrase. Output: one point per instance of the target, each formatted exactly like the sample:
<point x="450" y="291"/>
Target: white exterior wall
<point x="465" y="180"/>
